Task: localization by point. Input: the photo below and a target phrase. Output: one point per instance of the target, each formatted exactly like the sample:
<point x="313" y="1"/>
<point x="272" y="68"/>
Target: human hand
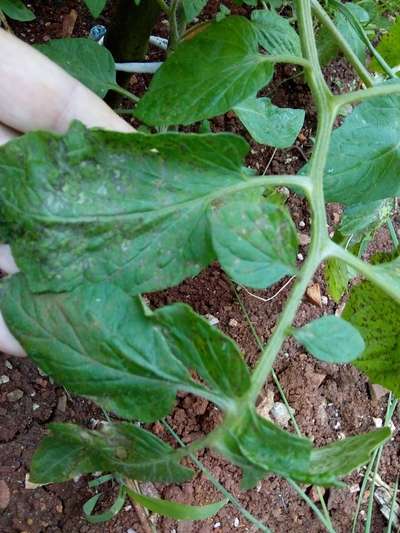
<point x="35" y="93"/>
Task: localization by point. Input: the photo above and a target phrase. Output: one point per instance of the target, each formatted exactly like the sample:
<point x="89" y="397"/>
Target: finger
<point x="6" y="134"/>
<point x="35" y="93"/>
<point x="8" y="343"/>
<point x="7" y="263"/>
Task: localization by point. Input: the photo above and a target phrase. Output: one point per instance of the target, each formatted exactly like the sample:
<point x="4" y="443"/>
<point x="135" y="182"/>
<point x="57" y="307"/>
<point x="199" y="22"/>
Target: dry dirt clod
<point x="233" y="323"/>
<point x="266" y="404"/>
<point x="314" y="294"/>
<point x="304" y="239"/>
<point x="377" y="391"/>
<point x="4" y="495"/>
<point x="68" y="23"/>
<point x="4" y="379"/>
<point x="15" y="395"/>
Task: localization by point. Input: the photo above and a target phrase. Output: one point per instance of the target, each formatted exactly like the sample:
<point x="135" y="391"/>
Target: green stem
<point x="320" y="238"/>
<point x="365" y="94"/>
<point x="325" y="19"/>
<point x="393" y="233"/>
<point x="286" y="58"/>
<point x="164" y="6"/>
<point x="311" y="504"/>
<point x="234" y="501"/>
<point x="173" y="24"/>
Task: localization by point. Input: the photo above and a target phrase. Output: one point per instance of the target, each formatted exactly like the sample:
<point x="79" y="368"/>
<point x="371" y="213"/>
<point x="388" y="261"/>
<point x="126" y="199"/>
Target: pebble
<point x="233" y="323"/>
<point x="313" y="293"/>
<point x="15" y="395"/>
<point x="212" y="320"/>
<point x="217" y="525"/>
<point x="300" y="257"/>
<point x="8" y="365"/>
<point x="62" y="403"/>
<point x="236" y="522"/>
<point x="35" y="406"/>
<point x="4" y="379"/>
<point x="378" y="422"/>
<point x="304" y="239"/>
<point x="4" y="495"/>
<point x="324" y="300"/>
<point x="280" y="413"/>
<point x="302" y="224"/>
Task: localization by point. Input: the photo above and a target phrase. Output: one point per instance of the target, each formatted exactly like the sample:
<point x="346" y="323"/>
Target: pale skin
<point x="37" y="94"/>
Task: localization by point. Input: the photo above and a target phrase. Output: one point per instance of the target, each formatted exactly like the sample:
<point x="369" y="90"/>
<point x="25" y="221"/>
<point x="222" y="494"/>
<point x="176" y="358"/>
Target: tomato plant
<point x="97" y="218"/>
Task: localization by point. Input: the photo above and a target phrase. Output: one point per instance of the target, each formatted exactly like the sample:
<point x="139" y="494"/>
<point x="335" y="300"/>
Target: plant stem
<point x="283" y="396"/>
<point x="365" y="94"/>
<point x="325" y="19"/>
<point x="164" y="6"/>
<point x="173" y="24"/>
<point x="311" y="504"/>
<point x="320" y="238"/>
<point x="393" y="233"/>
<point x="234" y="501"/>
<point x="393" y="506"/>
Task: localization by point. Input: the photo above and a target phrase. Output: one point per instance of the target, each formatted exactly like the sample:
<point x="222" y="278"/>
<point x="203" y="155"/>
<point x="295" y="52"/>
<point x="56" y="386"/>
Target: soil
<point x="330" y="402"/>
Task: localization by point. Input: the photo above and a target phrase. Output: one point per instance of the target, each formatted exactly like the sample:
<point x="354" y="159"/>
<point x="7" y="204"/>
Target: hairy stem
<point x="365" y="94"/>
<point x="320" y="238"/>
<point x="325" y="19"/>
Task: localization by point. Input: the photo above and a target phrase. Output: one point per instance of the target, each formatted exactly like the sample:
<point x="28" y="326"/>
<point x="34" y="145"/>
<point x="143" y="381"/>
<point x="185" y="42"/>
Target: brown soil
<point x="329" y="401"/>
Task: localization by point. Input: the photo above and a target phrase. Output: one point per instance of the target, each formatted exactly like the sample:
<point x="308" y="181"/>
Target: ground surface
<point x="329" y="401"/>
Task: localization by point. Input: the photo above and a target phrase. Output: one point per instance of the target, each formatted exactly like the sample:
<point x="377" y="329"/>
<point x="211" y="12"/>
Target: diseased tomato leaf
<point x="119" y="448"/>
<point x="102" y="343"/>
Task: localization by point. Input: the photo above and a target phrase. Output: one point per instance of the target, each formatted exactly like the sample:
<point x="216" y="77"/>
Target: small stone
<point x="4" y="379"/>
<point x="217" y="525"/>
<point x="280" y="413"/>
<point x="236" y="522"/>
<point x="233" y="323"/>
<point x="15" y="395"/>
<point x="324" y="300"/>
<point x="314" y="294"/>
<point x="212" y="320"/>
<point x="354" y="488"/>
<point x="62" y="403"/>
<point x="378" y="422"/>
<point x="128" y="508"/>
<point x="8" y="365"/>
<point x="4" y="495"/>
<point x="304" y="239"/>
<point x="300" y="257"/>
<point x="131" y="530"/>
<point x="59" y="508"/>
<point x="302" y="224"/>
<point x="377" y="391"/>
<point x="35" y="406"/>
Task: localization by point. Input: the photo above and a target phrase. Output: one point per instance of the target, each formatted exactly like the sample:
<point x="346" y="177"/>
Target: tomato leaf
<point x="377" y="317"/>
<point x="331" y="339"/>
<point x="255" y="241"/>
<point x="121" y="448"/>
<point x="260" y="447"/>
<point x="363" y="165"/>
<point x="129" y="208"/>
<point x="275" y="33"/>
<point x="269" y="124"/>
<point x="176" y="510"/>
<point x="85" y="60"/>
<point x="16" y="10"/>
<point x="101" y="343"/>
<point x="95" y="6"/>
<point x="192" y="8"/>
<point x="207" y="75"/>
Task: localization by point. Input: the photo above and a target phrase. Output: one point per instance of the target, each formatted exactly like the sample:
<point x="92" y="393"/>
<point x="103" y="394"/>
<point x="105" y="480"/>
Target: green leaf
<point x="16" y="10"/>
<point x="129" y="208"/>
<point x="275" y="33"/>
<point x="206" y="75"/>
<point x="101" y="343"/>
<point x="389" y="48"/>
<point x="106" y="515"/>
<point x="336" y="278"/>
<point x="269" y="124"/>
<point x="260" y="447"/>
<point x="364" y="157"/>
<point x="343" y="456"/>
<point x="178" y="511"/>
<point x="85" y="60"/>
<point x="95" y="6"/>
<point x="255" y="241"/>
<point x="331" y="339"/>
<point x="120" y="448"/>
<point x="365" y="218"/>
<point x="377" y="317"/>
<point x="192" y="8"/>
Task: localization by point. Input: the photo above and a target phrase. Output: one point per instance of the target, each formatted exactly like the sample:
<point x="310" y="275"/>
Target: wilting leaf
<point x="120" y="448"/>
